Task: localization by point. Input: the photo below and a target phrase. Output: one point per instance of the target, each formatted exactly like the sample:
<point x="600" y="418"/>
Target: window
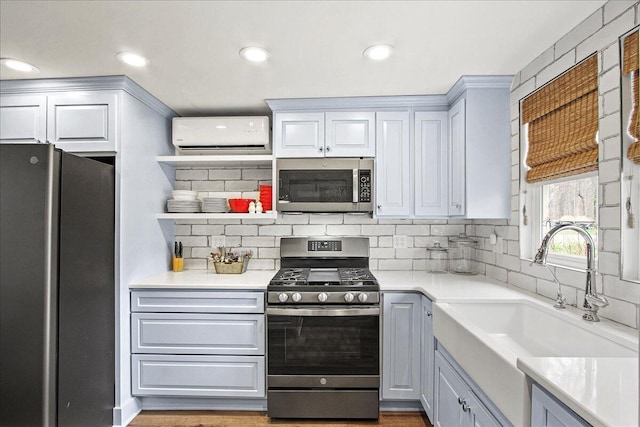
<point x="559" y="164"/>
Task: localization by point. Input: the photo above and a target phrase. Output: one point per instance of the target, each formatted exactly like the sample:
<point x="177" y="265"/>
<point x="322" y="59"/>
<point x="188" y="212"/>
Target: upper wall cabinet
<point x="77" y="122"/>
<point x="431" y="163"/>
<point x="331" y="134"/>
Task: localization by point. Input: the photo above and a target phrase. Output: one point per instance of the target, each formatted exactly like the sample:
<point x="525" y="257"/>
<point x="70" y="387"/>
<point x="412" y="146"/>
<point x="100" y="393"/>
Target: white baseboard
<point x="124" y="414"/>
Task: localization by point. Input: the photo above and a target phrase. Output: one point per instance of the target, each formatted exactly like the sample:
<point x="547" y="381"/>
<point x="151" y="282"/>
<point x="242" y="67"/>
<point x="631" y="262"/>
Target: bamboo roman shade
<point x="563" y="122"/>
<point x="630" y="65"/>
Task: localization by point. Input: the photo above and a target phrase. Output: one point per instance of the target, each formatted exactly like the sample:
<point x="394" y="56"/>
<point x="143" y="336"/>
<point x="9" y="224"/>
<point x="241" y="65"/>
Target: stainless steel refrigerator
<point x="57" y="333"/>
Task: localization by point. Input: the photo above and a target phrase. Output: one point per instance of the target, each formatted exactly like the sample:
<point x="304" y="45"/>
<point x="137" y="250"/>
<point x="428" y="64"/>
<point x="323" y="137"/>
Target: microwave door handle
<point x="356" y="183"/>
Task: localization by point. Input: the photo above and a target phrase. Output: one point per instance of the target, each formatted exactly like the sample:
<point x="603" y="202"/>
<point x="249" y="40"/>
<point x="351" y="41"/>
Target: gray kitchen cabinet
<point x="547" y="411"/>
<point x="393" y="165"/>
<point x="201" y="376"/>
<point x="480" y="148"/>
<point x="191" y="333"/>
<point x="455" y="402"/>
<point x="431" y="181"/>
<point x="401" y="337"/>
<point x="198" y="343"/>
<point x="78" y="122"/>
<point x="324" y="134"/>
<point x="427" y="360"/>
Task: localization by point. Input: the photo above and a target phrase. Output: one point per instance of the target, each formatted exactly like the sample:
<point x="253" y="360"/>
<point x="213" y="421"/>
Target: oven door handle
<point x="356" y="186"/>
<point x="368" y="311"/>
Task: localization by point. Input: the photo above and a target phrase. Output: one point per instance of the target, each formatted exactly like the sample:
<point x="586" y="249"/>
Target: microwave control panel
<point x="365" y="186"/>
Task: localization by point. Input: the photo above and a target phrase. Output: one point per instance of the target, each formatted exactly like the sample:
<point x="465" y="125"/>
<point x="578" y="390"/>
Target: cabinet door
<point x="393" y="165"/>
<point x="298" y="134"/>
<point x="477" y="415"/>
<point x="23" y="119"/>
<point x="401" y="346"/>
<point x="431" y="164"/>
<point x="185" y="333"/>
<point x="546" y="411"/>
<point x="427" y="365"/>
<point x="82" y="122"/>
<point x="449" y="391"/>
<point x="457" y="171"/>
<point x="201" y="376"/>
<point x="350" y="134"/>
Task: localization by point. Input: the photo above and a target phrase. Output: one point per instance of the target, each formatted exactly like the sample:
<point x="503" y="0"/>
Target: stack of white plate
<point x="214" y="204"/>
<point x="183" y="206"/>
<point x="184" y="195"/>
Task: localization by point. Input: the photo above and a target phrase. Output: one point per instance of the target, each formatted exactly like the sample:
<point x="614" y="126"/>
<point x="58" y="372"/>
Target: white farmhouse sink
<point x="487" y="338"/>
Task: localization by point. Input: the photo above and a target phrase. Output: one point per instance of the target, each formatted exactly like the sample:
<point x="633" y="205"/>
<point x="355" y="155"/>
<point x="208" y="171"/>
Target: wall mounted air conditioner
<point x="221" y="135"/>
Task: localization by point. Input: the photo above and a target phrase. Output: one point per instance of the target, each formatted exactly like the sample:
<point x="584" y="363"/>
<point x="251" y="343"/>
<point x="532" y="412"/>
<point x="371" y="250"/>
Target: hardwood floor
<point x="257" y="419"/>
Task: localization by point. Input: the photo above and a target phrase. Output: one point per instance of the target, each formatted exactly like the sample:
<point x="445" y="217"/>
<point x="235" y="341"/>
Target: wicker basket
<point x="231" y="267"/>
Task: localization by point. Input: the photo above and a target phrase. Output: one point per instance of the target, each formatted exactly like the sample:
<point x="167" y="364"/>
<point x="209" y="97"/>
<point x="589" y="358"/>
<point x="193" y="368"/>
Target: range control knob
<point x="296" y="297"/>
<point x="322" y="297"/>
<point x="283" y="297"/>
<point x="348" y="297"/>
<point x="362" y="297"/>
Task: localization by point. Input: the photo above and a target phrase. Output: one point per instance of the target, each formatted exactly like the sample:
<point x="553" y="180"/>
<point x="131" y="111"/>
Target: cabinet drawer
<point x="197" y="302"/>
<point x="203" y="376"/>
<point x="197" y="333"/>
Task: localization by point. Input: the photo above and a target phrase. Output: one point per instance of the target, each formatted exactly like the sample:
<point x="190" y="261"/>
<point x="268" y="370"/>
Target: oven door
<point x="325" y="347"/>
<point x="324" y="185"/>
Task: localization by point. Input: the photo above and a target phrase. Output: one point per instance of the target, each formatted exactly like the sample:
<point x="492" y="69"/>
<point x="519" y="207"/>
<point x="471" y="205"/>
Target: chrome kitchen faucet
<point x="592" y="301"/>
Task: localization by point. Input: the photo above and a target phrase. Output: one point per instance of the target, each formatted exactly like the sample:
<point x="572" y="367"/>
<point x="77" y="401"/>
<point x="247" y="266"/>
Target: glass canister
<point x="437" y="258"/>
<point x="464" y="255"/>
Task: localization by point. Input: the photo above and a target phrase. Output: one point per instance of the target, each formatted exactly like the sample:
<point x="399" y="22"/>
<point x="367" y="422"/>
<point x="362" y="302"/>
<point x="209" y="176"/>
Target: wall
<point x="263" y="236"/>
<point x="598" y="33"/>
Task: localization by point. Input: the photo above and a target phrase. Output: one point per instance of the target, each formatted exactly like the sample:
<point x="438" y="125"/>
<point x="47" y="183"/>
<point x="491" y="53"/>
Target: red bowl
<point x="240" y="205"/>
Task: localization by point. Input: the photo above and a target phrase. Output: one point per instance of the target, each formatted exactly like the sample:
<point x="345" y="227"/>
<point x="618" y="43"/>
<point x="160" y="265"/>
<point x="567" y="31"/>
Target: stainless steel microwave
<point x="325" y="185"/>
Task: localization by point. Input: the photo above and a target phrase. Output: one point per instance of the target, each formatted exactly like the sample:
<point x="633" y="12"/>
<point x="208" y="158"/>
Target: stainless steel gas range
<point x="323" y="321"/>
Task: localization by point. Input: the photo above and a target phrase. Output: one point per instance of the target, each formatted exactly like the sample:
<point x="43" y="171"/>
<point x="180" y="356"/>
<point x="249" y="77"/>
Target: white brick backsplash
<point x="420" y="230"/>
<point x="610" y="58"/>
<point x="610" y="80"/>
<point x="609" y="171"/>
<point x="585" y="29"/>
<point x="325" y="219"/>
<point x="195" y="264"/>
<point x="378" y="230"/>
<point x="446" y="230"/>
<point x="610" y="148"/>
<point x="182" y="230"/>
<point x="620" y="289"/>
<point x="241" y="230"/>
<point x="223" y="221"/>
<point x="612" y="193"/>
<point x="606" y="35"/>
<point x="269" y="253"/>
<point x="192" y="175"/>
<point x="233" y="241"/>
<point x="573" y="278"/>
<point x="613" y="9"/>
<point x="240" y="185"/>
<point x="558" y="67"/>
<point x="258" y="242"/>
<point x="257" y="174"/>
<point x="537" y="64"/>
<point x="496" y="273"/>
<point x="181" y="185"/>
<point x="193" y="240"/>
<point x="410" y="253"/>
<point x="207" y="230"/>
<point x="609" y="126"/>
<point x="225" y="174"/>
<point x="385" y="253"/>
<point x="516" y="81"/>
<point x="611" y="102"/>
<point x="200" y="253"/>
<point x="207" y="185"/>
<point x="523" y="90"/>
<point x="609" y="217"/>
<point x="385" y="241"/>
<point x="276" y="230"/>
<point x="261" y="264"/>
<point x="432" y="221"/>
<point x="309" y="230"/>
<point x="620" y="311"/>
<point x="522" y="281"/>
<point x="358" y="219"/>
<point x="609" y="263"/>
<point x="344" y="230"/>
<point x="395" y="264"/>
<point x="259" y="221"/>
<point x="293" y="219"/>
<point x="611" y="240"/>
<point x="419" y="264"/>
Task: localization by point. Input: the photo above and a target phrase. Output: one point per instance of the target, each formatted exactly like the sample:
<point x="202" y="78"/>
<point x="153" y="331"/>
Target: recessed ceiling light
<point x="378" y="52"/>
<point x="132" y="59"/>
<point x="254" y="54"/>
<point x="14" y="64"/>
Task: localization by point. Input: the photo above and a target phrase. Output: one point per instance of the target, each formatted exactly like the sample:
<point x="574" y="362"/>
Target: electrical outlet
<point x="399" y="241"/>
<point x="217" y="241"/>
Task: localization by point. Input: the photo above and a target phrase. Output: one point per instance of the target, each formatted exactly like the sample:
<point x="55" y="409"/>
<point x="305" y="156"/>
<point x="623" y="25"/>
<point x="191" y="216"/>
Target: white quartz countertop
<point x="602" y="390"/>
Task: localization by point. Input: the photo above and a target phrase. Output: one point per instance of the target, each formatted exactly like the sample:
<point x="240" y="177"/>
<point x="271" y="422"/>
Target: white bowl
<point x="184" y="195"/>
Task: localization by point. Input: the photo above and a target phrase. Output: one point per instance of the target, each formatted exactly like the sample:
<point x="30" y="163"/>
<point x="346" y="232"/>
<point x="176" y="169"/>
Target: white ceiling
<point x="316" y="46"/>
